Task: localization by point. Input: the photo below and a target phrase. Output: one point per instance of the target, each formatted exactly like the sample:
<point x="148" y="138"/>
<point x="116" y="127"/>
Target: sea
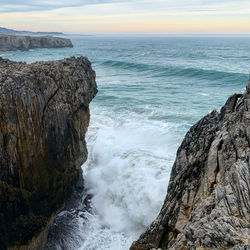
<point x="152" y="89"/>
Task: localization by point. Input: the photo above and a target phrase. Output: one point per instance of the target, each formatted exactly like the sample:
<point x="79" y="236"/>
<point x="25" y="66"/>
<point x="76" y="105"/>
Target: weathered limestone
<point x="207" y="204"/>
<point x="16" y="42"/>
<point x="44" y="115"/>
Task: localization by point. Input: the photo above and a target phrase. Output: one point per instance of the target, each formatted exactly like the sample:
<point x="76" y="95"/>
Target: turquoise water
<point x="151" y="90"/>
<point x="182" y="78"/>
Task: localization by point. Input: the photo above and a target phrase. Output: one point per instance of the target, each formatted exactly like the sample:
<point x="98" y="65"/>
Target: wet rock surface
<point x="44" y="115"/>
<point x="207" y="204"/>
<point x="64" y="233"/>
<point x="16" y="42"/>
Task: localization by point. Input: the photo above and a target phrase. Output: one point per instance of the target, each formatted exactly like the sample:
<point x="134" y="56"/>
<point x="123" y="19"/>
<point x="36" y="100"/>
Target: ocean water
<point x="151" y="90"/>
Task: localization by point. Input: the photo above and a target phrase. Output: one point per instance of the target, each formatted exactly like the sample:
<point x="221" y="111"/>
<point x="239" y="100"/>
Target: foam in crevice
<point x="127" y="173"/>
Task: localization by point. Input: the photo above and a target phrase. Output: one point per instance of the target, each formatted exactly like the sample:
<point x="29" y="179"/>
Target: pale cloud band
<point x="128" y="16"/>
<point x="29" y="5"/>
<point x="43" y="5"/>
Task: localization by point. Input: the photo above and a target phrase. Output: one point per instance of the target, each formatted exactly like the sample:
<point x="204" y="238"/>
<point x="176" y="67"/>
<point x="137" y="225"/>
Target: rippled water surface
<point x="151" y="90"/>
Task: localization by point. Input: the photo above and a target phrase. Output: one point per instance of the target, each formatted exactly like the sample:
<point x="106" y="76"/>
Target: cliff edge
<point x="16" y="42"/>
<point x="44" y="115"/>
<point x="207" y="204"/>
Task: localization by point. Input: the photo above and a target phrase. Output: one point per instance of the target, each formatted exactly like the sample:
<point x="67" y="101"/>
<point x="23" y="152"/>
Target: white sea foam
<point x="127" y="172"/>
<point x="204" y="94"/>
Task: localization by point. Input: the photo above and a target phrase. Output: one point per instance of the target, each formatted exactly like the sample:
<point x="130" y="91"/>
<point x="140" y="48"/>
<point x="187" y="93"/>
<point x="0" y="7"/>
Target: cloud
<point x="43" y="5"/>
<point x="124" y="16"/>
<point x="10" y="6"/>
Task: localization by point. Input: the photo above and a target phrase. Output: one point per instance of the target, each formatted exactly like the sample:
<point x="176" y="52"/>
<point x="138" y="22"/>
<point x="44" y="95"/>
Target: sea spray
<point x="127" y="173"/>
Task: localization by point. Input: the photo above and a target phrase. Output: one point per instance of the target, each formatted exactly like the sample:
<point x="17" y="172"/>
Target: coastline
<point x="139" y="119"/>
<point x="25" y="43"/>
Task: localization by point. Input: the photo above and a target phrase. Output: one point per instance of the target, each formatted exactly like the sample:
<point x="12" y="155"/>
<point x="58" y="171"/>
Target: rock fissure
<point x="43" y="114"/>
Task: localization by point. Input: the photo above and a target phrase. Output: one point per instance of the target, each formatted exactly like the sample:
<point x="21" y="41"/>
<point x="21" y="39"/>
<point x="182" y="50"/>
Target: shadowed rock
<point x="44" y="115"/>
<point x="207" y="204"/>
<point x="13" y="42"/>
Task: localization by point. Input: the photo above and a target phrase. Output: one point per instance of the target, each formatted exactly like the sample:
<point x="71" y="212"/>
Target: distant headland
<point x="25" y="32"/>
<point x="25" y="43"/>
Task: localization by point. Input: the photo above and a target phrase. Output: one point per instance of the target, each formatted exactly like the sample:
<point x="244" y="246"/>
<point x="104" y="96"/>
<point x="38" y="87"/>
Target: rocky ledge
<point x="207" y="204"/>
<point x="15" y="42"/>
<point x="44" y="115"/>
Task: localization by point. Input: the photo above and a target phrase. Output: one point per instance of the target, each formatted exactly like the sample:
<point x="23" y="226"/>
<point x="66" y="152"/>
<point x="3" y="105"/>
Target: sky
<point x="128" y="16"/>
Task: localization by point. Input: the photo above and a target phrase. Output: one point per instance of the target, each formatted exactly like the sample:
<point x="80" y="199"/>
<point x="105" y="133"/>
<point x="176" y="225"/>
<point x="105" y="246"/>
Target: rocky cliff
<point x="44" y="115"/>
<point x="15" y="42"/>
<point x="207" y="204"/>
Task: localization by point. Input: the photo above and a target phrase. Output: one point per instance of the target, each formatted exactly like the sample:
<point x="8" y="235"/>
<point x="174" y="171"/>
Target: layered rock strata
<point x="16" y="42"/>
<point x="44" y="115"/>
<point x="207" y="204"/>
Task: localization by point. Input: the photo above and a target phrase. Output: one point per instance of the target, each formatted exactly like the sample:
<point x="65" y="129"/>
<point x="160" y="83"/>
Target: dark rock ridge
<point x="64" y="232"/>
<point x="207" y="204"/>
<point x="13" y="42"/>
<point x="44" y="115"/>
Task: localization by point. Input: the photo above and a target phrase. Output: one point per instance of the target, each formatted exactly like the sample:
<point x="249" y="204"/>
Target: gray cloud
<point x="43" y="5"/>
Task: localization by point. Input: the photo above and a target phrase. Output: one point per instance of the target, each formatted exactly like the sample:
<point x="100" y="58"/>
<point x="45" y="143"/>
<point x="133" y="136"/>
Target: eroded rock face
<point x="44" y="115"/>
<point x="15" y="42"/>
<point x="207" y="204"/>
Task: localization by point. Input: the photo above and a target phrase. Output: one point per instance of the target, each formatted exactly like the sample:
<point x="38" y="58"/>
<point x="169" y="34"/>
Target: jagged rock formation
<point x="15" y="42"/>
<point x="44" y="114"/>
<point x="207" y="204"/>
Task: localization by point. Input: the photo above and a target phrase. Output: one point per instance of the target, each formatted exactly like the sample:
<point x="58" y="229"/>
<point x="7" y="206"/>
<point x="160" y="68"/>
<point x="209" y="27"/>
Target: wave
<point x="170" y="71"/>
